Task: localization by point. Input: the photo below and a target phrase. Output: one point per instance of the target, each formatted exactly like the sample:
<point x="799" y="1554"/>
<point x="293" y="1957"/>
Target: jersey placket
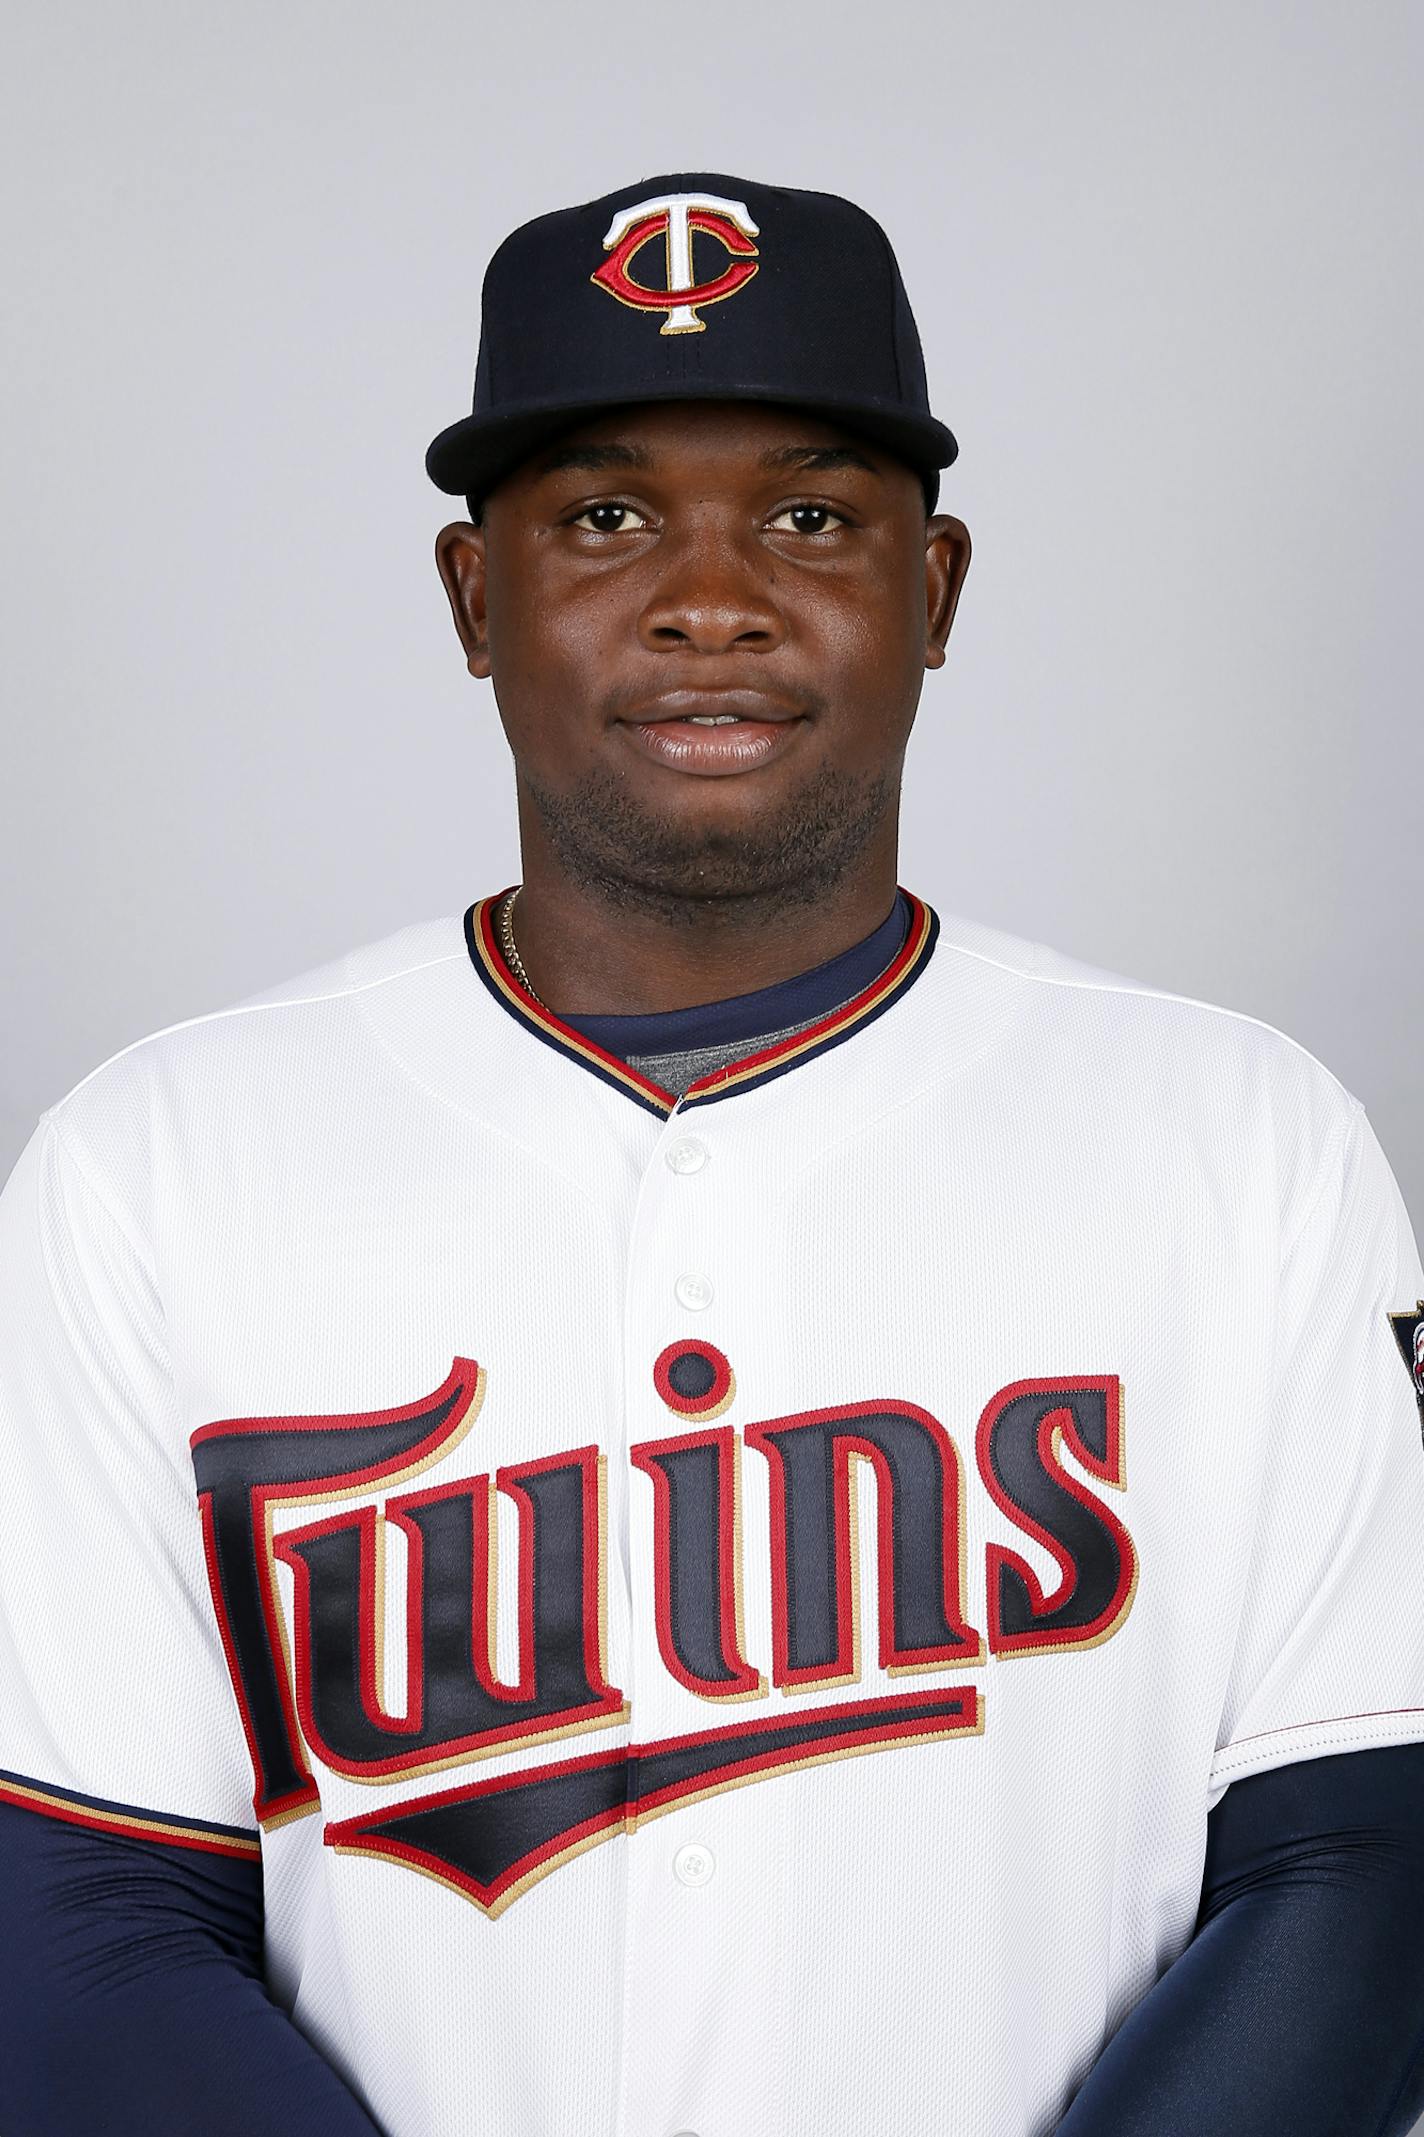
<point x="692" y="1972"/>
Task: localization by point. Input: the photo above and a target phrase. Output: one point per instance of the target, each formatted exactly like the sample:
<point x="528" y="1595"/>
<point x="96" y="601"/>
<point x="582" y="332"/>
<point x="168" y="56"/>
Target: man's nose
<point x="715" y="595"/>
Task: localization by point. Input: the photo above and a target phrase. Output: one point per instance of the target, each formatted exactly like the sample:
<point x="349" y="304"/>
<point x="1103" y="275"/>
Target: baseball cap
<point x="692" y="286"/>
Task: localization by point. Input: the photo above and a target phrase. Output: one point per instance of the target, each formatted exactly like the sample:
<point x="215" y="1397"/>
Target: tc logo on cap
<point x="674" y="216"/>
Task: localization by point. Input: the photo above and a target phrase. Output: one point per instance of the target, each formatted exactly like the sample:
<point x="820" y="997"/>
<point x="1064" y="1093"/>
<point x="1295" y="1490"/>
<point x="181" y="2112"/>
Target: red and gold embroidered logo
<point x="306" y="1650"/>
<point x="673" y="217"/>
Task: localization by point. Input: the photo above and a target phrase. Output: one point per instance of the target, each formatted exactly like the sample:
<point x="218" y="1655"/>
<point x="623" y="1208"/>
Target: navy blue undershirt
<point x="1297" y="2010"/>
<point x="798" y="1000"/>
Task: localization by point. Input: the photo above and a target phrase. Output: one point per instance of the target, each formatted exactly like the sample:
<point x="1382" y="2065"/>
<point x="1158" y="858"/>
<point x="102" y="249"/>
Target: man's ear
<point x="460" y="559"/>
<point x="946" y="562"/>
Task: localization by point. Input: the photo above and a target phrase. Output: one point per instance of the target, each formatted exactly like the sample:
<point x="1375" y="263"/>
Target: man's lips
<point x="664" y="728"/>
<point x="707" y="703"/>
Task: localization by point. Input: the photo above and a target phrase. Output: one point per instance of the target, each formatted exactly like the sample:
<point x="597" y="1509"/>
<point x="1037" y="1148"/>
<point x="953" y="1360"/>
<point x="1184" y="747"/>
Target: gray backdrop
<point x="1166" y="264"/>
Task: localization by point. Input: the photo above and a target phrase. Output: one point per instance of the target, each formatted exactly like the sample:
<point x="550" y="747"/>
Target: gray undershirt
<point x="676" y="1072"/>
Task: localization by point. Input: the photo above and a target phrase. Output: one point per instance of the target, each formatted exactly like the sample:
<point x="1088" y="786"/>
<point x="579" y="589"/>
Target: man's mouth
<point x="713" y="732"/>
<point x="704" y="707"/>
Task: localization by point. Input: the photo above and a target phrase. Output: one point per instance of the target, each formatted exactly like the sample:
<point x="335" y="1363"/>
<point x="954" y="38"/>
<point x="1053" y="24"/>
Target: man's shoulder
<point x="1043" y="965"/>
<point x="410" y="949"/>
<point x="238" y="1055"/>
<point x="1183" y="1056"/>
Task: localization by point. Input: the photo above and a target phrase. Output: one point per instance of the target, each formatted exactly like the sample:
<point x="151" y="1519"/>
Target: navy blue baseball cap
<point x="693" y="286"/>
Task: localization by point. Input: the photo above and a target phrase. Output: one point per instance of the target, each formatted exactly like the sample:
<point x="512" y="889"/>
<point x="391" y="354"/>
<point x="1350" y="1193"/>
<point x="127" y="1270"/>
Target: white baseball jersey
<point x="723" y="1615"/>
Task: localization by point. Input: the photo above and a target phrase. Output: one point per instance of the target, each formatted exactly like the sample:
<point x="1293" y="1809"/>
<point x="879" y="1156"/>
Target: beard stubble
<point x="637" y="860"/>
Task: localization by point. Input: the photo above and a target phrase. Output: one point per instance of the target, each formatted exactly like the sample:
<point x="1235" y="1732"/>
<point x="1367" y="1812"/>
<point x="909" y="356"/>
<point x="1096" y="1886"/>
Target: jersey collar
<point x="741" y="1075"/>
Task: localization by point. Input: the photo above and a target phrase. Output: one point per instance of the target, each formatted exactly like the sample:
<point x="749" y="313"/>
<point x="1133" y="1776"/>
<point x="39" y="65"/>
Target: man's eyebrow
<point x="594" y="458"/>
<point x="815" y="459"/>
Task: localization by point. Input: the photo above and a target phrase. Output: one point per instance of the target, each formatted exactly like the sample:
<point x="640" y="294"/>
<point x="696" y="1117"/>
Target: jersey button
<point x="687" y="1156"/>
<point x="692" y="1291"/>
<point x="694" y="1864"/>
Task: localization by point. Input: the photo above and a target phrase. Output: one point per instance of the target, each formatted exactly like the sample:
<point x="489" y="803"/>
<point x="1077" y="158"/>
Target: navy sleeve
<point x="1299" y="2003"/>
<point x="132" y="1998"/>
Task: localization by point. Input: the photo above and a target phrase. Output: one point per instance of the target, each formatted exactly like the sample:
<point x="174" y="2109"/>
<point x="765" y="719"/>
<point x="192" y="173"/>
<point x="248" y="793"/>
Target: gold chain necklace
<point x="506" y="936"/>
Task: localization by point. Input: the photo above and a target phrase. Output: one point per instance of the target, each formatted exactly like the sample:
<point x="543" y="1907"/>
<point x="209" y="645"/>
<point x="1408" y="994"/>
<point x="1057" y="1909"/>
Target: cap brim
<point x="473" y="456"/>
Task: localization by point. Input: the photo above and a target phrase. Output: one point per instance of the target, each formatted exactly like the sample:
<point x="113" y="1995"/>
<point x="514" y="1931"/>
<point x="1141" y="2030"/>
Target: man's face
<point x="668" y="566"/>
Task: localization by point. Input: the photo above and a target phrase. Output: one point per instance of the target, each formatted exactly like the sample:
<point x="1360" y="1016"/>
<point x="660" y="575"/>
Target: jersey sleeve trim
<point x="126" y="1819"/>
<point x="1311" y="1739"/>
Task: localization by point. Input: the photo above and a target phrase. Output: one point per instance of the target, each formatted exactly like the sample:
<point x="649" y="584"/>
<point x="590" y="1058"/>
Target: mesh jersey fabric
<point x="380" y="1184"/>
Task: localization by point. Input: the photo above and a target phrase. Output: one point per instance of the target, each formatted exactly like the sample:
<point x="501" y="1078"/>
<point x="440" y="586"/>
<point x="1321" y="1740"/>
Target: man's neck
<point x="587" y="955"/>
<point x="674" y="1047"/>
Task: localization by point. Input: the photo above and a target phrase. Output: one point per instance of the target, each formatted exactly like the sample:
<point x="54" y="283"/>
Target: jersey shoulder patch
<point x="1409" y="1335"/>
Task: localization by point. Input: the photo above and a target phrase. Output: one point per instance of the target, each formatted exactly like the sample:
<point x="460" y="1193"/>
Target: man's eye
<point x="609" y="519"/>
<point x="808" y="519"/>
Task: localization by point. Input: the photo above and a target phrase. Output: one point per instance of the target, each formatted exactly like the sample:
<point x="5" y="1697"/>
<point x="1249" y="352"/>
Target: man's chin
<point x="614" y="846"/>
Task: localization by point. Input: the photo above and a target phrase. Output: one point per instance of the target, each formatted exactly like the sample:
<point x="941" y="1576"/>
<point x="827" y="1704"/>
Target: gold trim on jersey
<point x="103" y="1817"/>
<point x="742" y="1074"/>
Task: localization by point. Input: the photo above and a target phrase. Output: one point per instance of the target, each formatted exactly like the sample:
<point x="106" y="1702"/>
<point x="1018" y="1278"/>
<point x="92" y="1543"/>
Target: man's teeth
<point x="712" y="719"/>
